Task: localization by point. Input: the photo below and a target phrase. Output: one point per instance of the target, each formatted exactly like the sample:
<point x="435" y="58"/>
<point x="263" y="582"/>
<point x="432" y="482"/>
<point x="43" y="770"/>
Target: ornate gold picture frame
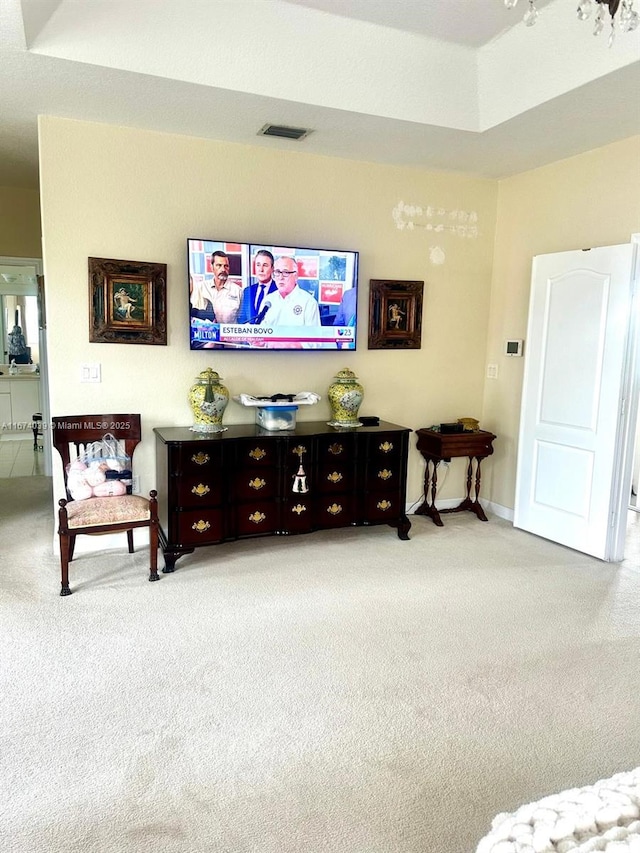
<point x="127" y="302"/>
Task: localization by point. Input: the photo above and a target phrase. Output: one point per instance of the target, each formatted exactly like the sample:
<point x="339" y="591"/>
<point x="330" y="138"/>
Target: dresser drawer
<point x="198" y="527"/>
<point x="255" y="517"/>
<point x="381" y="506"/>
<point x="383" y="475"/>
<point x="340" y="448"/>
<point x="192" y="460"/>
<point x="255" y="483"/>
<point x="256" y="454"/>
<point x="298" y="515"/>
<point x="204" y="489"/>
<point x="335" y="510"/>
<point x="384" y="448"/>
<point x="335" y="478"/>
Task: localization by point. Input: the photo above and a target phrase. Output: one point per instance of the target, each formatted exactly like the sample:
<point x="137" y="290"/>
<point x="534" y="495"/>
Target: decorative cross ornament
<point x="300" y="480"/>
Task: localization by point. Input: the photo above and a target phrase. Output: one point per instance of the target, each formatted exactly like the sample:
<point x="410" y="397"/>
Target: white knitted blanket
<point x="600" y="817"/>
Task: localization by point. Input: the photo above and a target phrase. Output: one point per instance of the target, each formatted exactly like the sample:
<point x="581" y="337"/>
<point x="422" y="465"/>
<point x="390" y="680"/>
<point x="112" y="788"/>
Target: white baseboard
<point x="499" y="510"/>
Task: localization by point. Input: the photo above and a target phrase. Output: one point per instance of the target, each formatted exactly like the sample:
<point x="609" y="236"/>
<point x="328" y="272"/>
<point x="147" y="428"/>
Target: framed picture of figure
<point x="395" y="314"/>
<point x="127" y="302"/>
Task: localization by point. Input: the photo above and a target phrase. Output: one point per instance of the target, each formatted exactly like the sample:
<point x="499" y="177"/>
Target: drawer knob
<point x="335" y="448"/>
<point x="200" y="458"/>
<point x="258" y="453"/>
<point x="385" y="474"/>
<point x="298" y="509"/>
<point x="257" y="517"/>
<point x="257" y="483"/>
<point x="200" y="526"/>
<point x="200" y="490"/>
<point x="334" y="477"/>
<point x="384" y="505"/>
<point x="334" y="509"/>
<point x="386" y="447"/>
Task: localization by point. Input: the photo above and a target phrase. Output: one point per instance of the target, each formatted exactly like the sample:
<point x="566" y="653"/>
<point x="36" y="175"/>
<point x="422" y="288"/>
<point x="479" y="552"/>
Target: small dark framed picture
<point x="395" y="314"/>
<point x="127" y="302"/>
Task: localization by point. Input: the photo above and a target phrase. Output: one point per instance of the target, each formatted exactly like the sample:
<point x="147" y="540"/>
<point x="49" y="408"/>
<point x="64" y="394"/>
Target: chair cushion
<point x="116" y="510"/>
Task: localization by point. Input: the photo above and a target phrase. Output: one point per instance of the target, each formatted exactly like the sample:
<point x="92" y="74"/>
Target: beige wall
<point x="122" y="193"/>
<point x="20" y="223"/>
<point x="589" y="200"/>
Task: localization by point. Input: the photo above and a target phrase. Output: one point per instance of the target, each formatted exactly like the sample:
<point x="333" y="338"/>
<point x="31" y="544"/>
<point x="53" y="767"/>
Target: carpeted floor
<point x="343" y="692"/>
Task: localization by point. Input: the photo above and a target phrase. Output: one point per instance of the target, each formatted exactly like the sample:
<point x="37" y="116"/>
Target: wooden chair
<point x="96" y="516"/>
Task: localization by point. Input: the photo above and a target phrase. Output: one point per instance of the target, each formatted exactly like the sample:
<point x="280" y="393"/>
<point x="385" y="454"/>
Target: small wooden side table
<point x="436" y="447"/>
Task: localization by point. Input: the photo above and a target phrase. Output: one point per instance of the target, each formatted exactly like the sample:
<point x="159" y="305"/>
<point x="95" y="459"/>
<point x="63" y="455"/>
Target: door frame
<point x="44" y="370"/>
<point x="629" y="401"/>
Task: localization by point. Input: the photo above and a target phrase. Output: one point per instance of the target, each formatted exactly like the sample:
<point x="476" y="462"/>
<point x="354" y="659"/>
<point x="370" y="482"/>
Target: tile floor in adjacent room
<point x="18" y="458"/>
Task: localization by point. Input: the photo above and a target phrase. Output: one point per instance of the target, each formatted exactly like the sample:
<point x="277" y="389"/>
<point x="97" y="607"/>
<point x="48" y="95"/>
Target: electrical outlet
<point x="492" y="371"/>
<point x="135" y="484"/>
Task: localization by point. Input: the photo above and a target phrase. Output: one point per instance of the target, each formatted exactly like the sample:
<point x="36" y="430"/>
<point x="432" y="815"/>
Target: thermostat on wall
<point x="513" y="348"/>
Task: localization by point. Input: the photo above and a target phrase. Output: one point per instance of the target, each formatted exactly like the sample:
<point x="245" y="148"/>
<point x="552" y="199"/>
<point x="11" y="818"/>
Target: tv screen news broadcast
<point x="250" y="296"/>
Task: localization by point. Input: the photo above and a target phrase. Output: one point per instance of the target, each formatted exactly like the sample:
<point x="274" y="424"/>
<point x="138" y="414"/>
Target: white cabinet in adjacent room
<point x="5" y="406"/>
<point x="19" y="401"/>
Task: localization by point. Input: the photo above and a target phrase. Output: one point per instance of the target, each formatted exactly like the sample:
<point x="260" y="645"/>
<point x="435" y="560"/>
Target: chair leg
<point x="130" y="540"/>
<point x="64" y="563"/>
<point x="153" y="535"/>
<point x="153" y="552"/>
<point x="67" y="542"/>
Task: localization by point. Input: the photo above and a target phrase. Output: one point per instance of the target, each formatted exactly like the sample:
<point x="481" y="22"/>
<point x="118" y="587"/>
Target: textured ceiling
<point x="459" y="85"/>
<point x="466" y="22"/>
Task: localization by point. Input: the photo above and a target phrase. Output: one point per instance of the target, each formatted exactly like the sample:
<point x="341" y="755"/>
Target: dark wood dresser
<point x="248" y="481"/>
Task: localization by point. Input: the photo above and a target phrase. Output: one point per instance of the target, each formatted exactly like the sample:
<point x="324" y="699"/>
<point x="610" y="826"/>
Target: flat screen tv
<point x="251" y="296"/>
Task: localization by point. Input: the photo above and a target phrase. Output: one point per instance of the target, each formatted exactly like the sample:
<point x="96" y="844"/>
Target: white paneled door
<point x="572" y="398"/>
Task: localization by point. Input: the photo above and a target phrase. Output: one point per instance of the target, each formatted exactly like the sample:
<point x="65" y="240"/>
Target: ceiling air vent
<point x="283" y="132"/>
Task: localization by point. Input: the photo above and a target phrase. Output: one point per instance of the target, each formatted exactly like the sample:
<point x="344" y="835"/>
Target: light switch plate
<point x="91" y="372"/>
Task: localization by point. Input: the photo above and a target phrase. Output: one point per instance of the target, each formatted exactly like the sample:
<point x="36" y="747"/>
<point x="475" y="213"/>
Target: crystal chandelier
<point x="628" y="17"/>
